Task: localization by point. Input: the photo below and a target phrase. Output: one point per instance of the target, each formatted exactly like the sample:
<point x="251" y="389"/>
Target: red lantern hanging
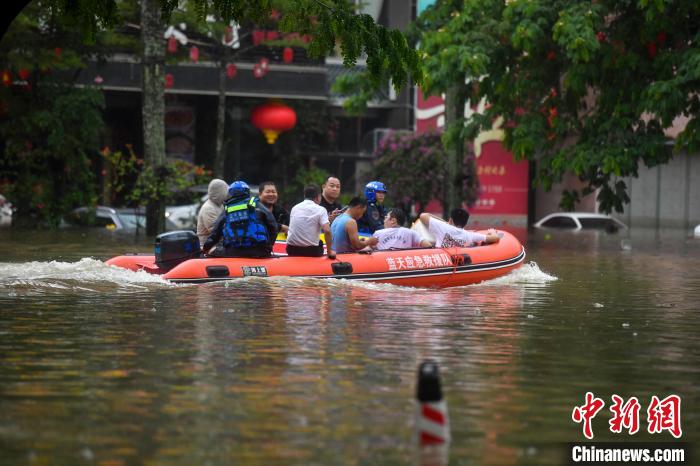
<point x="288" y="55"/>
<point x="169" y="81"/>
<point x="6" y="78"/>
<point x="172" y="45"/>
<point x="264" y="64"/>
<point x="57" y="53"/>
<point x="231" y="71"/>
<point x="272" y="119"/>
<point x="258" y="71"/>
<point x="23" y="74"/>
<point x="194" y="54"/>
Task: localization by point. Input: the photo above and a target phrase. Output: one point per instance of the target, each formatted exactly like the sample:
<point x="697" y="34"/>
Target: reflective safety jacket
<point x="243" y="228"/>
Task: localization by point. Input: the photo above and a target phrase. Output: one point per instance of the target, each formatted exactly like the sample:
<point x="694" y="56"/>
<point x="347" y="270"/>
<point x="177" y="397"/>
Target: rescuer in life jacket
<point x="373" y="219"/>
<point x="248" y="229"/>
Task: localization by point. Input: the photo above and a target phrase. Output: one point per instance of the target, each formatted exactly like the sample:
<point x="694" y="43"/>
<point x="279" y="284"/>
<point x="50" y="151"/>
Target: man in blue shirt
<point x="344" y="228"/>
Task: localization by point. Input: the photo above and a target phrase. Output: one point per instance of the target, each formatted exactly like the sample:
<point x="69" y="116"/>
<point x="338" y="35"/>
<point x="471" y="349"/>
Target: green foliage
<point x="587" y="87"/>
<point x="388" y="53"/>
<point x="50" y="136"/>
<point x="358" y="90"/>
<point x="304" y="177"/>
<point x="51" y="129"/>
<point x="414" y="167"/>
<point x="89" y="17"/>
<point x="129" y="176"/>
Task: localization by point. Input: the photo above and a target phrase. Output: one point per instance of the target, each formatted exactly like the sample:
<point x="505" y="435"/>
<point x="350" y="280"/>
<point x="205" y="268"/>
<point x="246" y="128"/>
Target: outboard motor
<point x="175" y="247"/>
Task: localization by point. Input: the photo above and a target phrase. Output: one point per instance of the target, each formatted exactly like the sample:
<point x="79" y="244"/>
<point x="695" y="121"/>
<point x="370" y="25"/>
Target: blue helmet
<point x="372" y="188"/>
<point x="238" y="188"/>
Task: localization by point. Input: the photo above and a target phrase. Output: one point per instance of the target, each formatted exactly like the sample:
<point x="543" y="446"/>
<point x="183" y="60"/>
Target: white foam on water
<point x="55" y="274"/>
<point x="528" y="274"/>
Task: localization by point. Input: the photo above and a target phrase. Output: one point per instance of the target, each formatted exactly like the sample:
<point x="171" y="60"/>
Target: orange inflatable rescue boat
<point x="177" y="253"/>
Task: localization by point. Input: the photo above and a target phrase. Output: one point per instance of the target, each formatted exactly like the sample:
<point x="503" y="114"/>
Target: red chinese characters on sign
<point x="626" y="415"/>
<point x="665" y="415"/>
<point x="661" y="415"/>
<point x="587" y="412"/>
<point x="504" y="182"/>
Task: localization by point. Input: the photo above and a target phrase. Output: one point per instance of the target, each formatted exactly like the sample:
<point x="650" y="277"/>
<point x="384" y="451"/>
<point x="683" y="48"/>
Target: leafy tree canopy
<point x="387" y="52"/>
<point x="587" y="87"/>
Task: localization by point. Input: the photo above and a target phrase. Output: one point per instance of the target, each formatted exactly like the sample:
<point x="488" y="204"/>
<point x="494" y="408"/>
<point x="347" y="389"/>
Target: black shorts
<point x="305" y="251"/>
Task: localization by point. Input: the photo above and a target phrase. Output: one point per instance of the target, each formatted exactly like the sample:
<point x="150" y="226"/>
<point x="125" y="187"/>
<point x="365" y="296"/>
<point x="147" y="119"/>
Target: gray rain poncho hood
<point x="218" y="191"/>
<point x="210" y="211"/>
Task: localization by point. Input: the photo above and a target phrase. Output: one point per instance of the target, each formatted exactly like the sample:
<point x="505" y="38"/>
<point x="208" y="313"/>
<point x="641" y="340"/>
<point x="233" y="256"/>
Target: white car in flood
<point x="580" y="221"/>
<point x="5" y="212"/>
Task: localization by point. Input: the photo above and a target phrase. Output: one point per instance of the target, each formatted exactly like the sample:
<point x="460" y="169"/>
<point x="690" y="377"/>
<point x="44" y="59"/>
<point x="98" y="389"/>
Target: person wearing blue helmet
<point x="373" y="219"/>
<point x="247" y="228"/>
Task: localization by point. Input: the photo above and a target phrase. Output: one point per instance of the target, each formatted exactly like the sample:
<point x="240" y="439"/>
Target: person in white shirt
<point x="307" y="221"/>
<point x="395" y="236"/>
<point x="453" y="234"/>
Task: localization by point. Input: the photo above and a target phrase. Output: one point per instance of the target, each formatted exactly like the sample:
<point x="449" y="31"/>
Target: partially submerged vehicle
<point x="110" y="218"/>
<point x="580" y="221"/>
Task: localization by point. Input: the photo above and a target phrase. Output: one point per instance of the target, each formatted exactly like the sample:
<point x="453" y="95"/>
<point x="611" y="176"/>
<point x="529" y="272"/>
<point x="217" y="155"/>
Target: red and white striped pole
<point x="432" y="423"/>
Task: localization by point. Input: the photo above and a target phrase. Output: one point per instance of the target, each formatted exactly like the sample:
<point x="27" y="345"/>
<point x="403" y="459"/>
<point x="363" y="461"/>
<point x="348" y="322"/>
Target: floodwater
<point x="109" y="367"/>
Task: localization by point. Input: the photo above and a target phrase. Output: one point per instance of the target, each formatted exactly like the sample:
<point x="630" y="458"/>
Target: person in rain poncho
<point x="210" y="211"/>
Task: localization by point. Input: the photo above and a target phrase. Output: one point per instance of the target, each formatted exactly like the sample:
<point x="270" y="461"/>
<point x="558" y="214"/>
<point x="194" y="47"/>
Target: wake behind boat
<point x="422" y="267"/>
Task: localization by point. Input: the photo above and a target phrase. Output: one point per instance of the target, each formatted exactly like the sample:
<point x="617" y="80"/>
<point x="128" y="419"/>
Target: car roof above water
<point x="579" y="215"/>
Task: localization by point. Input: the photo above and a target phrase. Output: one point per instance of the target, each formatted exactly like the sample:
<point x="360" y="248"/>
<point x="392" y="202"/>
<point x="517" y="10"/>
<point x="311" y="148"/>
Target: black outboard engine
<point x="175" y="247"/>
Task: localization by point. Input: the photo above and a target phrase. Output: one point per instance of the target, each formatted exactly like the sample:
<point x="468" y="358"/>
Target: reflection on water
<point x="103" y="366"/>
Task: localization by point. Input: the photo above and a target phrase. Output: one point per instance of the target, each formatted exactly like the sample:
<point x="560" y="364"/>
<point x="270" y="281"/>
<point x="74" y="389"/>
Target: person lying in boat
<point x="248" y="229"/>
<point x="211" y="209"/>
<point x="395" y="236"/>
<point x="373" y="217"/>
<point x="308" y="221"/>
<point x="344" y="228"/>
<point x="452" y="233"/>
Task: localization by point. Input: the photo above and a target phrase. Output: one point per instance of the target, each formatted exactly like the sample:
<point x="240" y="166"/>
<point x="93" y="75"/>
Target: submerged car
<point x="580" y="221"/>
<point x="110" y="218"/>
<point x="5" y="212"/>
<point x="182" y="212"/>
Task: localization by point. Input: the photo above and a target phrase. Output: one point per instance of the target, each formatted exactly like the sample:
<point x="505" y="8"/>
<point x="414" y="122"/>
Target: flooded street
<point x="104" y="366"/>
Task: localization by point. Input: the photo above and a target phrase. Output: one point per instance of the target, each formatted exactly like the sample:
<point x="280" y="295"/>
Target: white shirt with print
<point x="448" y="236"/>
<point x="397" y="238"/>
